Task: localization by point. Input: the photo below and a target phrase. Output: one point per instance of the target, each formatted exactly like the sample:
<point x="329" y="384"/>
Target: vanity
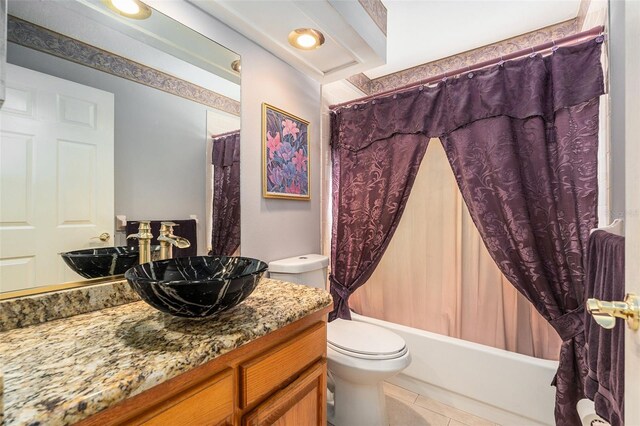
<point x="118" y="116"/>
<point x="261" y="362"/>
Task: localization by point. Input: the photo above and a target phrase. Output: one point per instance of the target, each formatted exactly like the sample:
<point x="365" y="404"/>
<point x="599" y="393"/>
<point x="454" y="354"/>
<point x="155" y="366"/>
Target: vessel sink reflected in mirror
<point x="104" y="261"/>
<point x="196" y="287"/>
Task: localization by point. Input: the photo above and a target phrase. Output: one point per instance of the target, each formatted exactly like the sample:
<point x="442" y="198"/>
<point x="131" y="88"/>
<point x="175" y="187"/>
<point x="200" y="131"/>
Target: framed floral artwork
<point x="285" y="155"/>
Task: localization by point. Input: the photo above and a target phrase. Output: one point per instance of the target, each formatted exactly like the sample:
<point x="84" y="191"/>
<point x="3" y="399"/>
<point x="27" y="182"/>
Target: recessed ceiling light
<point x="133" y="9"/>
<point x="306" y="38"/>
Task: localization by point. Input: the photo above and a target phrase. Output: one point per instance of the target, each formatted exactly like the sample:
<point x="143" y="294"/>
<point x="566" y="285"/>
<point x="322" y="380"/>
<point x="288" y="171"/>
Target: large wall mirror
<point x="110" y="120"/>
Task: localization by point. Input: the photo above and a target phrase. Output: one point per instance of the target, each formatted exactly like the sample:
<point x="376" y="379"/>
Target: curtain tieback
<point x="570" y="324"/>
<point x="338" y="288"/>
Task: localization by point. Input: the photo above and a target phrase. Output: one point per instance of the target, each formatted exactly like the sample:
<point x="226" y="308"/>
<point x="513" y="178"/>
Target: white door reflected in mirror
<point x="161" y="88"/>
<point x="49" y="207"/>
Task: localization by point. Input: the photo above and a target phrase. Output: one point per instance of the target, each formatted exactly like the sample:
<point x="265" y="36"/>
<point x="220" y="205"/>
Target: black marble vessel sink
<point x="104" y="261"/>
<point x="196" y="287"/>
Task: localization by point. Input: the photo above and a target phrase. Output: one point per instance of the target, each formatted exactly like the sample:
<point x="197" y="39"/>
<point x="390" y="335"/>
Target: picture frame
<point x="285" y="155"/>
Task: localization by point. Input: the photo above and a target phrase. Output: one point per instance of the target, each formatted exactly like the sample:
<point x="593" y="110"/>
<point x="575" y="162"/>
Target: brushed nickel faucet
<point x="144" y="237"/>
<point x="167" y="240"/>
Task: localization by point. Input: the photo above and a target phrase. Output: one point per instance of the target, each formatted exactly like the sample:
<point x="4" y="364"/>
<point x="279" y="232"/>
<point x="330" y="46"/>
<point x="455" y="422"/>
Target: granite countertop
<point x="63" y="371"/>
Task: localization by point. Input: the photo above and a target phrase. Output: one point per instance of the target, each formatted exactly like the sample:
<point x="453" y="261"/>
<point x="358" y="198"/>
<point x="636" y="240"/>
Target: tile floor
<point x="406" y="408"/>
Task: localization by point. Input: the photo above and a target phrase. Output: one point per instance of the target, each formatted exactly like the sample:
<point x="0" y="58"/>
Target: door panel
<point x="77" y="112"/>
<point x="56" y="153"/>
<point x="17" y="272"/>
<point x="20" y="100"/>
<point x="632" y="202"/>
<point x="16" y="186"/>
<point x="76" y="189"/>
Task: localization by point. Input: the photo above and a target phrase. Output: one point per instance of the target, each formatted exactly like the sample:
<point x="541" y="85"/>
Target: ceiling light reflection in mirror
<point x="133" y="9"/>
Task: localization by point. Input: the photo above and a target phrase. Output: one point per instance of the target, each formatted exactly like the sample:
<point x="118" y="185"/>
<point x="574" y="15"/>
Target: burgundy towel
<point x="605" y="348"/>
<point x="185" y="229"/>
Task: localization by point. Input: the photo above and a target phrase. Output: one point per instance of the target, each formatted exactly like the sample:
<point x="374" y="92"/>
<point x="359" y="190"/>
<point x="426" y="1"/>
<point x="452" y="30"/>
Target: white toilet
<point x="360" y="356"/>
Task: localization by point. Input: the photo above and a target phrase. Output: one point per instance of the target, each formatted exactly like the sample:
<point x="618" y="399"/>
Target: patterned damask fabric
<point x="522" y="141"/>
<point x="533" y="86"/>
<point x="531" y="189"/>
<point x="225" y="233"/>
<point x="370" y="191"/>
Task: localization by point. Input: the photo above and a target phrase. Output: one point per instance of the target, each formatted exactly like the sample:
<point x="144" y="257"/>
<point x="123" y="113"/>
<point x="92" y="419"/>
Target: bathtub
<point x="498" y="385"/>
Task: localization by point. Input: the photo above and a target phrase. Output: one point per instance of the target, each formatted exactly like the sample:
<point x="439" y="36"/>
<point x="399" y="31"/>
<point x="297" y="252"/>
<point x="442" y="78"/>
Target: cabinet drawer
<point x="260" y="376"/>
<point x="210" y="403"/>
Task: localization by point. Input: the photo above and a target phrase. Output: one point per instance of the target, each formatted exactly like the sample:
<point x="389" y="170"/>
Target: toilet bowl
<point x="360" y="356"/>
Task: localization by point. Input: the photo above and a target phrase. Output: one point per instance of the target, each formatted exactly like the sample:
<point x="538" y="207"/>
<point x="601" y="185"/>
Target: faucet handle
<point x="144" y="226"/>
<point x="166" y="228"/>
<point x="166" y="234"/>
<point x="144" y="231"/>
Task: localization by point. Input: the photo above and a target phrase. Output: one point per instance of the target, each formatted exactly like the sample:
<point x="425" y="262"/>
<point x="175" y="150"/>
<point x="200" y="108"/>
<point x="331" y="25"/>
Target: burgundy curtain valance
<point x="528" y="87"/>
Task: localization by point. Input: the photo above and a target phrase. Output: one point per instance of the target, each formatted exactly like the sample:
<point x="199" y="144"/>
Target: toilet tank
<point x="308" y="269"/>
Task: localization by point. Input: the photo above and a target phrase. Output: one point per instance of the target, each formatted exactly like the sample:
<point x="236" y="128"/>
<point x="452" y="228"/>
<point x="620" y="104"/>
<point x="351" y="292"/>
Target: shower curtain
<point x="436" y="274"/>
<point x="225" y="158"/>
<point x="521" y="138"/>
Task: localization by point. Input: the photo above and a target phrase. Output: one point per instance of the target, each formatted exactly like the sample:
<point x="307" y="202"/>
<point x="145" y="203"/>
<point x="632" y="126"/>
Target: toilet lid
<point x="363" y="340"/>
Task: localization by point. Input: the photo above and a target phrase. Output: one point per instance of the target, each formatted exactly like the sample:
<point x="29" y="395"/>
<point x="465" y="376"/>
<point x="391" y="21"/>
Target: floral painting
<point x="285" y="154"/>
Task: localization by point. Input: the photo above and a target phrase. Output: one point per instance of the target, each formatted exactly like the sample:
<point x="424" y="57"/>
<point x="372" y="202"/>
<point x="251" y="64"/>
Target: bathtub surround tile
<point x="61" y="372"/>
<point x="397" y="392"/>
<point x="40" y="308"/>
<point x="453" y="413"/>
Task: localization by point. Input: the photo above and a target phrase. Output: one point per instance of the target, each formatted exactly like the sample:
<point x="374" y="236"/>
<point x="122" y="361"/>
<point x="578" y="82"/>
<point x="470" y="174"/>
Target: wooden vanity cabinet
<point x="277" y="379"/>
<point x="303" y="402"/>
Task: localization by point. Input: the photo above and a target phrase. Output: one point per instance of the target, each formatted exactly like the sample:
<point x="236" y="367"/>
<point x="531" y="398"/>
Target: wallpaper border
<point x="44" y="40"/>
<point x="460" y="60"/>
<point x="377" y="11"/>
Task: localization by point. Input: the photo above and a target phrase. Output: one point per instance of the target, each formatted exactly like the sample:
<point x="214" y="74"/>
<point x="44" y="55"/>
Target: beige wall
<point x="271" y="229"/>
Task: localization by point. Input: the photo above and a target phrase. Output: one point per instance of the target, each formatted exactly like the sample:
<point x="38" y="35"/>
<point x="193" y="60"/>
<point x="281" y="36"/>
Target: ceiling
<point x="421" y="31"/>
<point x="353" y="41"/>
<point x="417" y="31"/>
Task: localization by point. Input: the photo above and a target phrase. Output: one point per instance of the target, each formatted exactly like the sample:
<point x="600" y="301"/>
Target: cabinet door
<point x="263" y="375"/>
<point x="302" y="403"/>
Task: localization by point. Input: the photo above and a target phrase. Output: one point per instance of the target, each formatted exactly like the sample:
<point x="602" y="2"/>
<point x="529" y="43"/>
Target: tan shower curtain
<point x="437" y="275"/>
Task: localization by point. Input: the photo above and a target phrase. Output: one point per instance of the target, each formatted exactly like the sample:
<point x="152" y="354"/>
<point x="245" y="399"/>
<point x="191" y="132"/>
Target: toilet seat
<point x="364" y="341"/>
